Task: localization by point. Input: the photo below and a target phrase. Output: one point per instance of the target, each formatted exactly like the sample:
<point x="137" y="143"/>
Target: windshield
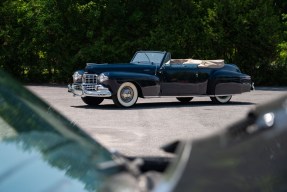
<point x="148" y="57"/>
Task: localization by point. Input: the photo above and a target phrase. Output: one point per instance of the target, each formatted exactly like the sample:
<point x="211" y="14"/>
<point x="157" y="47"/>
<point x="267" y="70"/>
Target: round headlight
<point x="102" y="77"/>
<point x="77" y="77"/>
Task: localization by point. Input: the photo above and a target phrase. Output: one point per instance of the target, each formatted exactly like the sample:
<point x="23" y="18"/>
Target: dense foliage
<point x="46" y="40"/>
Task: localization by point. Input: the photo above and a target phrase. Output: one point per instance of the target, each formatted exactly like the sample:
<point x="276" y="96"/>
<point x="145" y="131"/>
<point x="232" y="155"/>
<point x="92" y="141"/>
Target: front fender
<point x="147" y="85"/>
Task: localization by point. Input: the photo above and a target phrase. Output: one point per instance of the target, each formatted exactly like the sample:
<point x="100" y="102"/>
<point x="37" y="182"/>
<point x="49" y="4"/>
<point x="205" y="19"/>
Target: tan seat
<point x="219" y="63"/>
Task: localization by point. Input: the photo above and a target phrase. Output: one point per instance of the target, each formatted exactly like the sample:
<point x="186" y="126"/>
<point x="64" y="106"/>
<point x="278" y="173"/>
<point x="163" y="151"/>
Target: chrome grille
<point x="90" y="78"/>
<point x="89" y="87"/>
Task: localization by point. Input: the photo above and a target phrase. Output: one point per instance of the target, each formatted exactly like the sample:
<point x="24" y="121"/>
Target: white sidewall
<point x="223" y="99"/>
<point x="134" y="100"/>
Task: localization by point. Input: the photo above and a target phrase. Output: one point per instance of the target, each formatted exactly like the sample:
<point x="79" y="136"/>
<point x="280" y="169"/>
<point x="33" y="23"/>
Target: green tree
<point x="179" y="28"/>
<point x="247" y="32"/>
<point x="45" y="41"/>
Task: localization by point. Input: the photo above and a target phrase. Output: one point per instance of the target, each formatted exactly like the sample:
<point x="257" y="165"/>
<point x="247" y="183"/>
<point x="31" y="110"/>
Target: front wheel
<point x="221" y="99"/>
<point x="184" y="99"/>
<point x="126" y="96"/>
<point x="93" y="101"/>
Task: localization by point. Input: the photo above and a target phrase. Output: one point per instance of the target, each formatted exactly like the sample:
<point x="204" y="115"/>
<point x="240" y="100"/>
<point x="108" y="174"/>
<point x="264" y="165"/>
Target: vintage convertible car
<point x="43" y="151"/>
<point x="155" y="74"/>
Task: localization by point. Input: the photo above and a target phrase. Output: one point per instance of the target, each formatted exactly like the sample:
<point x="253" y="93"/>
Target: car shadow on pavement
<point x="271" y="88"/>
<point x="154" y="105"/>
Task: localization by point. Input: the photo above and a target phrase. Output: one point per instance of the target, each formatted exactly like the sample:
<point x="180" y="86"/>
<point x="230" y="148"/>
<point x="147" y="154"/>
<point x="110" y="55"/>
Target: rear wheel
<point x="93" y="101"/>
<point x="184" y="99"/>
<point x="221" y="99"/>
<point x="126" y="96"/>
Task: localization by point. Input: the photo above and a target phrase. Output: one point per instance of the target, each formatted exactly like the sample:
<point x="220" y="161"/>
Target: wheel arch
<point x="147" y="85"/>
<point x="139" y="89"/>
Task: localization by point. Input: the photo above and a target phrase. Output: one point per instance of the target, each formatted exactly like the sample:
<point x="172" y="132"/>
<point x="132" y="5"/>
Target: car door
<point x="202" y="76"/>
<point x="178" y="79"/>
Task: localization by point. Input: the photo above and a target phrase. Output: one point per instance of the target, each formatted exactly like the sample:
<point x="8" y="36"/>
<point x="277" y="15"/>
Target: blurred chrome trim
<point x="252" y="86"/>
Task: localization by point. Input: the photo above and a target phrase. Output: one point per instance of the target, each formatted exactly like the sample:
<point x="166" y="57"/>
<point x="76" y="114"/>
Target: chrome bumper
<point x="88" y="89"/>
<point x="252" y="86"/>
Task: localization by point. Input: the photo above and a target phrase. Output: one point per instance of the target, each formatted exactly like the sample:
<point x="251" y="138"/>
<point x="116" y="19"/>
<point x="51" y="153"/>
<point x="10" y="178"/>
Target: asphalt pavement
<point x="151" y="123"/>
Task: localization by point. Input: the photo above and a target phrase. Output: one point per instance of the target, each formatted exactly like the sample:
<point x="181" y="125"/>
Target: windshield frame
<point x="150" y="58"/>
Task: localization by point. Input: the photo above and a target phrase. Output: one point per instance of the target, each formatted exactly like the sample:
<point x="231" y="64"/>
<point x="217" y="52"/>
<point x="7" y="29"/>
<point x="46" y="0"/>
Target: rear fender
<point x="225" y="82"/>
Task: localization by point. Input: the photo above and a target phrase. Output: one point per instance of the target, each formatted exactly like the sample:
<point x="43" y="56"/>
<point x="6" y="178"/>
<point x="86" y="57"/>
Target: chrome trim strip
<point x="174" y="172"/>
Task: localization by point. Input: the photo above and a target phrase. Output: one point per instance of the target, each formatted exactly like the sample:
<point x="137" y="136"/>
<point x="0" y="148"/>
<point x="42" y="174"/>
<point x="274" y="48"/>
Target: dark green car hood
<point x="25" y="169"/>
<point x="43" y="151"/>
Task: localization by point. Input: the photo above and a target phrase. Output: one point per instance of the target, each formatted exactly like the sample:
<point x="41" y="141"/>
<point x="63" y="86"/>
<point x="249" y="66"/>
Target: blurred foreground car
<point x="43" y="151"/>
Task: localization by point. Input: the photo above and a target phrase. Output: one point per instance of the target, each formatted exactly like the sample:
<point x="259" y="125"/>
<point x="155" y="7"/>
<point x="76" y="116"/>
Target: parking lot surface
<point x="151" y="123"/>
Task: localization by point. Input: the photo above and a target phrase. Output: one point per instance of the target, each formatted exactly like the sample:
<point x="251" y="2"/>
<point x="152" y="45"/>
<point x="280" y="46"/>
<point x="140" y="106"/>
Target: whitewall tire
<point x="221" y="99"/>
<point x="126" y="96"/>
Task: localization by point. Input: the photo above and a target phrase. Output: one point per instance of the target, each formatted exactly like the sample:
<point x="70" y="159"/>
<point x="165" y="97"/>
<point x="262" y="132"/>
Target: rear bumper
<point x="252" y="87"/>
<point x="89" y="89"/>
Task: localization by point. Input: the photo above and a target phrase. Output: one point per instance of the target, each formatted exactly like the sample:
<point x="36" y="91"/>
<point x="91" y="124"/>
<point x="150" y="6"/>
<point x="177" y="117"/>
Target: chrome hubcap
<point x="127" y="94"/>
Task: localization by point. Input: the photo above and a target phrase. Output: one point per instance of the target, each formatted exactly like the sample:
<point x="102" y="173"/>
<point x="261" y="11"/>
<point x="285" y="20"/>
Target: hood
<point x="93" y="68"/>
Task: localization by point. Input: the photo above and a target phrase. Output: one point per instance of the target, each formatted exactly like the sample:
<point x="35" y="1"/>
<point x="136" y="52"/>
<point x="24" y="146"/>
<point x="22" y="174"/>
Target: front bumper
<point x="88" y="89"/>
